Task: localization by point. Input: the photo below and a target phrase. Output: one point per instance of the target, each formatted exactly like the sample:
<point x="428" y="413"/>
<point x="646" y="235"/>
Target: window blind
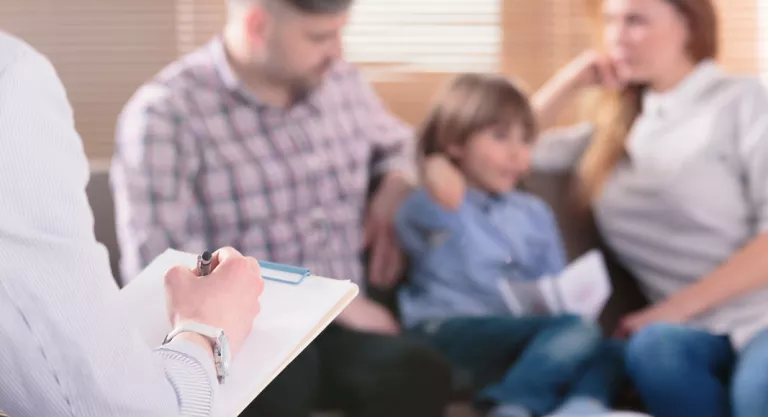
<point x="540" y="37"/>
<point x="739" y="35"/>
<point x="762" y="18"/>
<point x="105" y="49"/>
<point x="102" y="49"/>
<point x="197" y="21"/>
<point x="425" y="35"/>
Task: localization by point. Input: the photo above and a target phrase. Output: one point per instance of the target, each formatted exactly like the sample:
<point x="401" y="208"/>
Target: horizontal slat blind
<point x="762" y="18"/>
<point x="102" y="49"/>
<point x="739" y="37"/>
<point x="197" y="21"/>
<point x="425" y="35"/>
<point x="540" y="37"/>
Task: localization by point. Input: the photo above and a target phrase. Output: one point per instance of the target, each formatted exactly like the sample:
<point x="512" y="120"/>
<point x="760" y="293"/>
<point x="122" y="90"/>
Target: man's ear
<point x="257" y="20"/>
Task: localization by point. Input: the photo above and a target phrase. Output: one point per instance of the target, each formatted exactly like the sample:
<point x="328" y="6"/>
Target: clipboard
<point x="283" y="273"/>
<point x="295" y="307"/>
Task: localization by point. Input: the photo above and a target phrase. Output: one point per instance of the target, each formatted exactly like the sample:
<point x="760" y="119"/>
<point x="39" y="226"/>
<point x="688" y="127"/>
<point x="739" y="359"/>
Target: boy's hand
<point x="444" y="181"/>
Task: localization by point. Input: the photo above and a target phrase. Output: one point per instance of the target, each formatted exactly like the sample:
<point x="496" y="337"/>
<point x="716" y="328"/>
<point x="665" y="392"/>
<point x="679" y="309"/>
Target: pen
<point x="204" y="263"/>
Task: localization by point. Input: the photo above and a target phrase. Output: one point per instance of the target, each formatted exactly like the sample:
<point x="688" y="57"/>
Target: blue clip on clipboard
<point x="283" y="273"/>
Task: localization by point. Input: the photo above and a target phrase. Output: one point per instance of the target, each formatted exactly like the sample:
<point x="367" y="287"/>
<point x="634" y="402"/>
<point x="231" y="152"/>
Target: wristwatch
<point x="221" y="353"/>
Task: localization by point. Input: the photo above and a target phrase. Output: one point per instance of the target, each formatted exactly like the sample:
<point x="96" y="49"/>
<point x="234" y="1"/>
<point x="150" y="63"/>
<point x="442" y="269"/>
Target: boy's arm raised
<point x="444" y="182"/>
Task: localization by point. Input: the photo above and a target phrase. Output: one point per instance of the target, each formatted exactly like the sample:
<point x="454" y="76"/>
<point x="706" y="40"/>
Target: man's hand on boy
<point x="444" y="181"/>
<point x="385" y="265"/>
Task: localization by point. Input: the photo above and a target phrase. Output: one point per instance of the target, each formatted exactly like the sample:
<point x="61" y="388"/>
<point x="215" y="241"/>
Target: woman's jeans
<point x="535" y="362"/>
<point x="679" y="371"/>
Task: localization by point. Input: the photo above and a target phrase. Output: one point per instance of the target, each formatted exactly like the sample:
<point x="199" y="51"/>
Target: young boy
<point x="468" y="229"/>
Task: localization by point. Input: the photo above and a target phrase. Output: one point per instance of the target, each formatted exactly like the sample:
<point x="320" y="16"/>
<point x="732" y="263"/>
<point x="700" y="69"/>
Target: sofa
<point x="577" y="228"/>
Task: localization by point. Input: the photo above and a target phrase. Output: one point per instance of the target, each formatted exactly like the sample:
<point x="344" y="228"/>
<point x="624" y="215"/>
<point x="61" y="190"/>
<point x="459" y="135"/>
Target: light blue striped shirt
<point x="65" y="348"/>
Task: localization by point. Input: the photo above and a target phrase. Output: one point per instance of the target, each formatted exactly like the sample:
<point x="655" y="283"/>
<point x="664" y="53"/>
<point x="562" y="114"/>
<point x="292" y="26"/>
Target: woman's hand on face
<point x="591" y="68"/>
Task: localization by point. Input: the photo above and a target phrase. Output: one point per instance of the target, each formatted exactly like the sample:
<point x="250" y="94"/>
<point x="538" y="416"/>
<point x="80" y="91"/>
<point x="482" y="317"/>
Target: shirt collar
<point x="687" y="91"/>
<point x="482" y="199"/>
<point x="221" y="63"/>
<point x="233" y="82"/>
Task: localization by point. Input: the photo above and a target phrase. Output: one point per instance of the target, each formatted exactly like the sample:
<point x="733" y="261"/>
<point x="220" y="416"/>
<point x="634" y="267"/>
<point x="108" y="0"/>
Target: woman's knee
<point x="749" y="384"/>
<point x="657" y="349"/>
<point x="749" y="392"/>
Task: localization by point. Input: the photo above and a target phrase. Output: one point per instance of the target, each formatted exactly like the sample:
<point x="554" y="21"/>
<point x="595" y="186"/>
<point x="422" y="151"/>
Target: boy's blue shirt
<point x="458" y="257"/>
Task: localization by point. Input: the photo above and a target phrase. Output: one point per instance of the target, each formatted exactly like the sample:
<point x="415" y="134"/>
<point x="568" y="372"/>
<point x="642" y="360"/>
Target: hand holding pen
<point x="228" y="298"/>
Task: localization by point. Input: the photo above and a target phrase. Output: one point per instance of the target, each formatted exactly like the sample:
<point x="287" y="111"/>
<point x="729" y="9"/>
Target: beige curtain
<point x="105" y="49"/>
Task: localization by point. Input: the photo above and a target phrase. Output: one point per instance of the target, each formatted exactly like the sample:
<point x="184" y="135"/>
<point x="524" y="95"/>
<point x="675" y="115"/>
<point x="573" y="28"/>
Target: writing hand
<point x="228" y="298"/>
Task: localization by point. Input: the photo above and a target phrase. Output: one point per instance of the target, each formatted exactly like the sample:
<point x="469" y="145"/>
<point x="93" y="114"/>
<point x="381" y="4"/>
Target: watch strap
<point x="219" y="343"/>
<point x="195" y="327"/>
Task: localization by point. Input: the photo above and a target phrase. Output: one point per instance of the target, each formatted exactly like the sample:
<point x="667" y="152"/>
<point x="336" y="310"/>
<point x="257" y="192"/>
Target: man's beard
<point x="302" y="86"/>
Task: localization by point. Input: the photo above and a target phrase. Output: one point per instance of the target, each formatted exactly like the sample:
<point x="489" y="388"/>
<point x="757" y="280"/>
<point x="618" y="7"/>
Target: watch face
<point x="221" y="350"/>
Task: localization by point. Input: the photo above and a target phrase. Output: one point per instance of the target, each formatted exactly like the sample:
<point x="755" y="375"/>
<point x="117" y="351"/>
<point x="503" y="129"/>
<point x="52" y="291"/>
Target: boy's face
<point x="494" y="159"/>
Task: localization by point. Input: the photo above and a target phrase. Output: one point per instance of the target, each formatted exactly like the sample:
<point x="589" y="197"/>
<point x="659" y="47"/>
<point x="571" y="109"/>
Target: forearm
<point x="550" y="99"/>
<point x="747" y="270"/>
<point x="444" y="182"/>
<point x="398" y="180"/>
<point x="396" y="185"/>
<point x="72" y="351"/>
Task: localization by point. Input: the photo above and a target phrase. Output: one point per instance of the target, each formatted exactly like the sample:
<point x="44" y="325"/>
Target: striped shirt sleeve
<point x="67" y="347"/>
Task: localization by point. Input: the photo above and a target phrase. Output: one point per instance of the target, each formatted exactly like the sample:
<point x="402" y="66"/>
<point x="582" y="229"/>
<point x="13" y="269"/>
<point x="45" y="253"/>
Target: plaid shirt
<point x="201" y="163"/>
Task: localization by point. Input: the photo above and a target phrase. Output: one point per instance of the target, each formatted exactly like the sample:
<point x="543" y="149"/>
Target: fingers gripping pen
<point x="204" y="263"/>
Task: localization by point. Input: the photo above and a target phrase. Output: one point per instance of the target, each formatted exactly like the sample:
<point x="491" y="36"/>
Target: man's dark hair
<point x="306" y="6"/>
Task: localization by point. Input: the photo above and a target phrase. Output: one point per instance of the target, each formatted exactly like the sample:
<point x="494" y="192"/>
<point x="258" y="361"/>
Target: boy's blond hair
<point x="472" y="103"/>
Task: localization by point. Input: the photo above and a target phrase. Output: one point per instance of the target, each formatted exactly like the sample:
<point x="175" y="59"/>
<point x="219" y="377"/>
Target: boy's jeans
<point x="534" y="362"/>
